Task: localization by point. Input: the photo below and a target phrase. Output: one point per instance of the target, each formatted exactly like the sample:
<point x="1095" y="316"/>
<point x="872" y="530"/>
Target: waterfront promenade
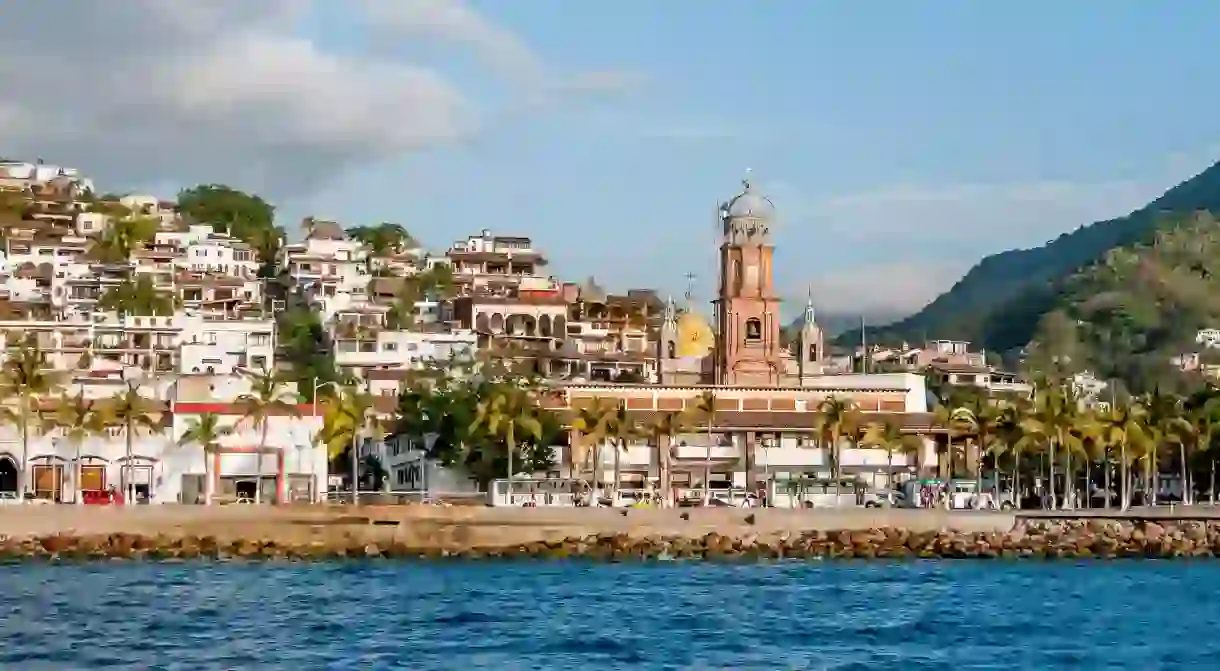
<point x="427" y="525"/>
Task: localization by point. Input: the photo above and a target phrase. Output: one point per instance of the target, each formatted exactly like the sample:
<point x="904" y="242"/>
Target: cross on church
<point x="690" y="286"/>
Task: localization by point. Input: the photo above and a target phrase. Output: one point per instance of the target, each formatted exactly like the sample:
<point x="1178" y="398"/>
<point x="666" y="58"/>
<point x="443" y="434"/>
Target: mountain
<point x="999" y="302"/>
<point x="1128" y="315"/>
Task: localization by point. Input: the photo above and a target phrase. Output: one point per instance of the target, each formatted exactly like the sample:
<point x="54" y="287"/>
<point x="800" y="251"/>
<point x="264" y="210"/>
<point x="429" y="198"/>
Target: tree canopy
<point x="244" y="216"/>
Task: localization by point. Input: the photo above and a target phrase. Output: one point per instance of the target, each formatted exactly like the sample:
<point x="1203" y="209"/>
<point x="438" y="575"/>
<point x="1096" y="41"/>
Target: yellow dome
<point x="695" y="336"/>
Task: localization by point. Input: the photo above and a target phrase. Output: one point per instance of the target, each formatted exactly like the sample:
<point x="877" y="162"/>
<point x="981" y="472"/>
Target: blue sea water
<point x="507" y="616"/>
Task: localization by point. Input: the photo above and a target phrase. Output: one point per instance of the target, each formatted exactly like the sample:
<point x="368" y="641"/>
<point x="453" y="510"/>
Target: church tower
<point x="811" y="343"/>
<point x="747" y="310"/>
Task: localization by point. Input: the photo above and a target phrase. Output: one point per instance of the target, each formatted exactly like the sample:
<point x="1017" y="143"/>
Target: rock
<point x="750" y="519"/>
<point x="684" y="516"/>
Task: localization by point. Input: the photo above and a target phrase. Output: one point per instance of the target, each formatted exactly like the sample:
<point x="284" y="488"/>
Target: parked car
<point x="883" y="498"/>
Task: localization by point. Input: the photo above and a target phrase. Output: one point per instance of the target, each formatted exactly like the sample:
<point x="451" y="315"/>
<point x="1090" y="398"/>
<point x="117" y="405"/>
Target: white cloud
<point x="883" y="289"/>
<point x="895" y="248"/>
<point x="149" y="91"/>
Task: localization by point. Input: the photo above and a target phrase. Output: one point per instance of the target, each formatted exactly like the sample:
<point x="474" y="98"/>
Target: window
<point x="753" y="330"/>
<point x="390" y="346"/>
<point x="671" y="350"/>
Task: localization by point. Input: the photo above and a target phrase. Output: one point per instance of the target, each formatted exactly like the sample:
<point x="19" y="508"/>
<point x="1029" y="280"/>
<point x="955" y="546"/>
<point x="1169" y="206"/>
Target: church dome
<point x="694" y="335"/>
<point x="750" y="203"/>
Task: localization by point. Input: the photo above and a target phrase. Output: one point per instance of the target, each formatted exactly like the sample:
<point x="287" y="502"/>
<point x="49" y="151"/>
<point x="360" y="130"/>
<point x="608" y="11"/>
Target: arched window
<point x="753" y="330"/>
<point x="671" y="350"/>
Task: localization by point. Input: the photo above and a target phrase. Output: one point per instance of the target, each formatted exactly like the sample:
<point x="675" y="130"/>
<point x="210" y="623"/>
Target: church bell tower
<point x="747" y="309"/>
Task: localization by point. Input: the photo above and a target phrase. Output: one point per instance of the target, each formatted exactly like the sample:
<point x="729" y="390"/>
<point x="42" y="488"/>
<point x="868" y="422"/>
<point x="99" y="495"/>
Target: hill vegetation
<point x="1128" y="315"/>
<point x="999" y="303"/>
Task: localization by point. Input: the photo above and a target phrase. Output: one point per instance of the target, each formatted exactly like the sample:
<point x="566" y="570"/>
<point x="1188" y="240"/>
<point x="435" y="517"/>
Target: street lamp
<point x="318" y="386"/>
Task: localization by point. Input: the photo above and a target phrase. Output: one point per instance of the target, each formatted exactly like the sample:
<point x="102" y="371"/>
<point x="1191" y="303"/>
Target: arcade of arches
<point x="516" y="324"/>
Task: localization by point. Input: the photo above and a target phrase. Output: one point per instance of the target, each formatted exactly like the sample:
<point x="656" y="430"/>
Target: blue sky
<point x="900" y="141"/>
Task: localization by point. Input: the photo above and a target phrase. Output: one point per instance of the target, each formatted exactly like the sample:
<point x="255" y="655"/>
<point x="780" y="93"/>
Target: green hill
<point x="1000" y="301"/>
<point x="1130" y="313"/>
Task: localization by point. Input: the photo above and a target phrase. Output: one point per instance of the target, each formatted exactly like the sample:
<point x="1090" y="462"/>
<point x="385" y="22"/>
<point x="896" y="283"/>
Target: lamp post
<point x="318" y="386"/>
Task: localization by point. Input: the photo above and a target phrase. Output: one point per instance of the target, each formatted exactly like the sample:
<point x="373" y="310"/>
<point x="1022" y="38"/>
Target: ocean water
<point x="506" y="616"/>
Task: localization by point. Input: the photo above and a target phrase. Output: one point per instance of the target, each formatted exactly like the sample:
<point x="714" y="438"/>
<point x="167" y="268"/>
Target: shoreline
<point x="308" y="533"/>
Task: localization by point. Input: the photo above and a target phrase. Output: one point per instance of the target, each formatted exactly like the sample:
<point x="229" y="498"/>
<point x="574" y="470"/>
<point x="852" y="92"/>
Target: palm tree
<point x="130" y="410"/>
<point x="978" y="424"/>
<point x="79" y="419"/>
<point x="889" y="436"/>
<point x="622" y="428"/>
<point x="206" y="431"/>
<point x="24" y="378"/>
<point x="1203" y="410"/>
<point x="834" y="417"/>
<point x="1054" y="421"/>
<point x="353" y="415"/>
<point x="1163" y="423"/>
<point x="664" y="427"/>
<point x="508" y="414"/>
<point x="590" y="426"/>
<point x="1122" y="427"/>
<point x="1008" y="429"/>
<point x="705" y="405"/>
<point x="268" y="398"/>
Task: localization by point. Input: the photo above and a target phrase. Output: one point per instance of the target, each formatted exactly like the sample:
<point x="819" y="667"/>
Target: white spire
<point x="811" y="317"/>
<point x="671" y="310"/>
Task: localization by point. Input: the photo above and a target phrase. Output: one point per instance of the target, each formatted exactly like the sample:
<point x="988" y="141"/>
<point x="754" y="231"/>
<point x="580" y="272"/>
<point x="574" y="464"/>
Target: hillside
<point x="1127" y="315"/>
<point x="999" y="302"/>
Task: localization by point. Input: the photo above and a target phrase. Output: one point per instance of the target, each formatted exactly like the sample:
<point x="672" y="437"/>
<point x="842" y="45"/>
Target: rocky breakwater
<point x="1043" y="539"/>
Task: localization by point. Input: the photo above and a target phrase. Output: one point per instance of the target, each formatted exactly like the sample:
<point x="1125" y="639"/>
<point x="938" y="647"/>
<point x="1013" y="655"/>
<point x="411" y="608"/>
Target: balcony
<point x="700" y="452"/>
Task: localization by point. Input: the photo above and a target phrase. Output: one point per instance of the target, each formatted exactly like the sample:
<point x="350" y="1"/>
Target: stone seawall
<point x="364" y="538"/>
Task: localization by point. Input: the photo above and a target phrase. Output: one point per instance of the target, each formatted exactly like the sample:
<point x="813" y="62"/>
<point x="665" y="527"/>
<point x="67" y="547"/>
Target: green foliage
<point x="139" y="297"/>
<point x="304" y="344"/>
<point x="383" y="238"/>
<point x="436" y="283"/>
<point x="999" y="303"/>
<point x="1129" y="314"/>
<point x="244" y="216"/>
<point x="476" y="418"/>
<point x="124" y="235"/>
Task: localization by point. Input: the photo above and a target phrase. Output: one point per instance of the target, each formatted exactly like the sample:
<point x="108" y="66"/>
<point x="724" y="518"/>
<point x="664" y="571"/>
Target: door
<point x="92" y="478"/>
<point x="47" y="481"/>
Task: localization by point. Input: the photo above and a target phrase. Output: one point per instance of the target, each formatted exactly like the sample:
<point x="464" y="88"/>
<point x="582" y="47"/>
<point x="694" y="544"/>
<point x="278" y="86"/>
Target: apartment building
<point x="329" y="267"/>
<point x="499" y="265"/>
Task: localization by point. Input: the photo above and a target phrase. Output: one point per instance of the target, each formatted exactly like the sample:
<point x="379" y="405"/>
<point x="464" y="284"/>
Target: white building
<point x="161" y="470"/>
<point x="182" y="343"/>
<point x="400" y="350"/>
<point x="329" y="266"/>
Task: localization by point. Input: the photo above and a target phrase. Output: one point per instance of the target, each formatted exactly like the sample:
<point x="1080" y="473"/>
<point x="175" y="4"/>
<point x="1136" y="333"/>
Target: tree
<point x="509" y="413"/>
<point x="206" y="431"/>
<point x="244" y="216"/>
<point x="622" y="428"/>
<point x="25" y="380"/>
<point x="705" y="405"/>
<point x="592" y="425"/>
<point x="348" y="417"/>
<point x="267" y="398"/>
<point x="664" y="426"/>
<point x="834" y="418"/>
<point x="79" y="419"/>
<point x="889" y="436"/>
<point x="123" y="236"/>
<point x="140" y="297"/>
<point x="1053" y="421"/>
<point x="136" y="414"/>
<point x="383" y="239"/>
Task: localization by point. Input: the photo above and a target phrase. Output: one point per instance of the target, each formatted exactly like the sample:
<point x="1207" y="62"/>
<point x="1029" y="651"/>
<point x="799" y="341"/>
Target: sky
<point x="900" y="142"/>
